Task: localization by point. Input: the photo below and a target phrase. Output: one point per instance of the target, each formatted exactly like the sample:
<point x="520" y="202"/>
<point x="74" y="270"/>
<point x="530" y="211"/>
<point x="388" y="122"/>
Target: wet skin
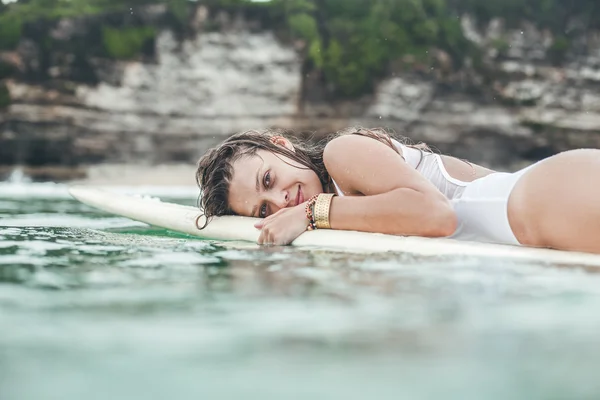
<point x="264" y="183"/>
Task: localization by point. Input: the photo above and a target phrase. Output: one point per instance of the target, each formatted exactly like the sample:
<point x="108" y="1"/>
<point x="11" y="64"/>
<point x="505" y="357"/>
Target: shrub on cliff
<point x="559" y="48"/>
<point x="10" y="32"/>
<point x="126" y="43"/>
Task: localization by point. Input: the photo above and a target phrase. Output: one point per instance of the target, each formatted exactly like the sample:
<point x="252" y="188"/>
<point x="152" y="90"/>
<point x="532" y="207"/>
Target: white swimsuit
<point x="481" y="206"/>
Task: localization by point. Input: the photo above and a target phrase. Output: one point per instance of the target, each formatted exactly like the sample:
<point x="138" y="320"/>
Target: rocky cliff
<point x="229" y="73"/>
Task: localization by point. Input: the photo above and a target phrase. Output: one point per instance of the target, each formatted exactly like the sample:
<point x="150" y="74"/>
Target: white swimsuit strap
<point x="337" y="188"/>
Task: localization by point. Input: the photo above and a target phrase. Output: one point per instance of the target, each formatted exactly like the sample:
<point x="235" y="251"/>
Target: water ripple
<point x="86" y="298"/>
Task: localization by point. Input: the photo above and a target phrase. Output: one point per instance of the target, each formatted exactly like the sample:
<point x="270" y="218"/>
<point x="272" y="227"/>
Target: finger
<point x="262" y="224"/>
<point x="271" y="238"/>
<point x="265" y="237"/>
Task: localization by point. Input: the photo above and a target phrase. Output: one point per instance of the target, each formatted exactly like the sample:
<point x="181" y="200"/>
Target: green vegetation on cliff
<point x="349" y="43"/>
<point x="556" y="15"/>
<point x="353" y="43"/>
<point x="126" y="42"/>
<point x="10" y="33"/>
<point x="14" y="16"/>
<point x="32" y="10"/>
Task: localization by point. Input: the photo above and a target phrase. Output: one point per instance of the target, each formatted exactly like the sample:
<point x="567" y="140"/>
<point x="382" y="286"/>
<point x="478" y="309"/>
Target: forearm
<point x="398" y="212"/>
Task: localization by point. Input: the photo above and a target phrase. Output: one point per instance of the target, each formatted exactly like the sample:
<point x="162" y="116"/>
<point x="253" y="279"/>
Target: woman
<point x="366" y="181"/>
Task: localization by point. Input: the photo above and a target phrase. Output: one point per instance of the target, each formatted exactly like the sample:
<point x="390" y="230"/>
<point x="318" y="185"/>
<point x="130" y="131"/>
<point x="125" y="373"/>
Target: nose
<point x="280" y="200"/>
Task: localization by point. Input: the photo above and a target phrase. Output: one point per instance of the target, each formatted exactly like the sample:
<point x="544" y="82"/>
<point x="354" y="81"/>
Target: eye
<point x="263" y="211"/>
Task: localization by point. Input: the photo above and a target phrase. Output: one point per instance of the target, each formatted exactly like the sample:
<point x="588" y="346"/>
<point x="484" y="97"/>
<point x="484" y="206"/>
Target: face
<point x="263" y="184"/>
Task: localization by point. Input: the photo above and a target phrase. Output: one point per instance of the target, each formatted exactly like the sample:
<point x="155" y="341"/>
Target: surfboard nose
<point x="86" y="194"/>
<point x="77" y="190"/>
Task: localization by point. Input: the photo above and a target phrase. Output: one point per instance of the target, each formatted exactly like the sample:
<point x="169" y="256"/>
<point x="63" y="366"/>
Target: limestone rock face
<point x="214" y="75"/>
<point x="189" y="92"/>
<point x="171" y="109"/>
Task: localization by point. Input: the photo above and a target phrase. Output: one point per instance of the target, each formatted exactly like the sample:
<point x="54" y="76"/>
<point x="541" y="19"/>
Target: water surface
<point x="94" y="306"/>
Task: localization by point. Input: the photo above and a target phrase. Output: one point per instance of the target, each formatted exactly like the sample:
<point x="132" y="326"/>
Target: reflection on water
<point x="95" y="306"/>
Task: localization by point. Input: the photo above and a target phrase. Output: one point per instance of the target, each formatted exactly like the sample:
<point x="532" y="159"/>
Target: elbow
<point x="449" y="222"/>
<point x="429" y="215"/>
<point x="444" y="221"/>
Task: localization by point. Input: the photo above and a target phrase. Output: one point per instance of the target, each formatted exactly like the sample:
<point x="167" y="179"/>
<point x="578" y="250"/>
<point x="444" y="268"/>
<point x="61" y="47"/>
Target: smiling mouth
<point x="299" y="196"/>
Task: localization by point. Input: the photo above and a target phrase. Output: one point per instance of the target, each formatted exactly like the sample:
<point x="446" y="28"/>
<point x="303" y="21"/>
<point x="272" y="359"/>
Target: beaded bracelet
<point x="310" y="214"/>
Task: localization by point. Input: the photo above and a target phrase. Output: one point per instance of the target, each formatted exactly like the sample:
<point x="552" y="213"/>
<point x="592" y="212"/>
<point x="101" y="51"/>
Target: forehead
<point x="247" y="166"/>
<point x="242" y="189"/>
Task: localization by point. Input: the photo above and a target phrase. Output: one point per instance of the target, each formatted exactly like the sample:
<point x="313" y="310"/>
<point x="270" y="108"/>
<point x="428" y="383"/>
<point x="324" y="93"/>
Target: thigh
<point x="557" y="202"/>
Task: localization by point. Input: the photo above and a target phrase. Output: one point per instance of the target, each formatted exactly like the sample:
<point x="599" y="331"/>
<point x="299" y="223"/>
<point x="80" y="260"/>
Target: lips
<point x="299" y="197"/>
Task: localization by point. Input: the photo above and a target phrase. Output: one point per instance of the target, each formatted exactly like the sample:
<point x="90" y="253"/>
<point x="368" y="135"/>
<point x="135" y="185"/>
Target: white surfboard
<point x="182" y="219"/>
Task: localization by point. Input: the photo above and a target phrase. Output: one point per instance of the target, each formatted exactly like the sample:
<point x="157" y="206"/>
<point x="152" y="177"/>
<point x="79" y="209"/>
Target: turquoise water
<point x="94" y="306"/>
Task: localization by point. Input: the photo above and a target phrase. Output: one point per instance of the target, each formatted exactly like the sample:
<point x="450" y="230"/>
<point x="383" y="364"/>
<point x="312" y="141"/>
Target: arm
<point x="386" y="195"/>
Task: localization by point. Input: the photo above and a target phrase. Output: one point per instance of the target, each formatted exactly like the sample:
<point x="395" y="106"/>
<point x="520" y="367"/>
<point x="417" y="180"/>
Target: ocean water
<point x="94" y="306"/>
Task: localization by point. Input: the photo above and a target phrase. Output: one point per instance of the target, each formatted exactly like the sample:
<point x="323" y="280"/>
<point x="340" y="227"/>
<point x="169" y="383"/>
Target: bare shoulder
<point x="367" y="166"/>
<point x="353" y="149"/>
<point x="340" y="146"/>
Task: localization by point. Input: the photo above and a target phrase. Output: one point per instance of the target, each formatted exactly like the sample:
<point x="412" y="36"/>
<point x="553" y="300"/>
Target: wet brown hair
<point x="215" y="168"/>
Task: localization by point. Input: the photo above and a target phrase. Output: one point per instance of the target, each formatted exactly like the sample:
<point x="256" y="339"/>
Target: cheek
<point x="313" y="182"/>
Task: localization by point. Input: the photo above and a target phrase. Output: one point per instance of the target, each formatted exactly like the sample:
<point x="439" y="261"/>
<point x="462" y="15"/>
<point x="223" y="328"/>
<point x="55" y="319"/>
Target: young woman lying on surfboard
<point x="364" y="180"/>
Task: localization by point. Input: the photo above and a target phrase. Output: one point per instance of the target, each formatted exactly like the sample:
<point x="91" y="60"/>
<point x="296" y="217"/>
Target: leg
<point x="557" y="203"/>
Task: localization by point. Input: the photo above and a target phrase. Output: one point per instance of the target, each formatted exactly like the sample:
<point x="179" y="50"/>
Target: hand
<point x="284" y="226"/>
